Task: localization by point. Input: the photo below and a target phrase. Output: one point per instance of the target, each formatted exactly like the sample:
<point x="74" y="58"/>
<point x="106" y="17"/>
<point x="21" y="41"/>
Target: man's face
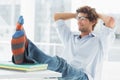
<point x="84" y="25"/>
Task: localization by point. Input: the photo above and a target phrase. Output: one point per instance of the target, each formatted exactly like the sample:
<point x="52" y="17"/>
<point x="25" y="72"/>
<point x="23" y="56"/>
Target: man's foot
<point x="20" y="23"/>
<point x="19" y="42"/>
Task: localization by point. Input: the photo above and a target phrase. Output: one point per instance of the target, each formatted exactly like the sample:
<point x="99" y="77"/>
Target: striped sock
<point x="19" y="42"/>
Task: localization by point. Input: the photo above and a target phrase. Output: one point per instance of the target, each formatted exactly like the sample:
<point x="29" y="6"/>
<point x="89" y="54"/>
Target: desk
<point x="36" y="75"/>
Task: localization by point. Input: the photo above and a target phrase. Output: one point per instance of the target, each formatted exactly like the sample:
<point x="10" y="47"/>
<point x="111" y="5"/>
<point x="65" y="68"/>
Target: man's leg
<point x="55" y="63"/>
<point x="24" y="50"/>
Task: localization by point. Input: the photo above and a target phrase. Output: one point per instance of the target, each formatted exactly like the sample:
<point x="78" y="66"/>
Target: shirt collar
<point x="92" y="34"/>
<point x="89" y="35"/>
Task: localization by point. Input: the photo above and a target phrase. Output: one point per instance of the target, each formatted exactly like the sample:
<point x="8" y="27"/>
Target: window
<point x="9" y="11"/>
<point x="45" y="34"/>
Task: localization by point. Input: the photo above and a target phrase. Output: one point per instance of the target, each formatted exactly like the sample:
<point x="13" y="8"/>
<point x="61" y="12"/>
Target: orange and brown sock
<point x="19" y="42"/>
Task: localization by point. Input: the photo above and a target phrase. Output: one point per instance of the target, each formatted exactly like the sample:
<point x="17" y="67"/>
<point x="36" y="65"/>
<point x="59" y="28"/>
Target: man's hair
<point x="91" y="13"/>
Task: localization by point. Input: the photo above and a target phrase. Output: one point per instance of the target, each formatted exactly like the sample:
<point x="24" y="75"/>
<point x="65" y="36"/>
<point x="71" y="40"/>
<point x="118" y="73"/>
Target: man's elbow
<point x="56" y="17"/>
<point x="111" y="22"/>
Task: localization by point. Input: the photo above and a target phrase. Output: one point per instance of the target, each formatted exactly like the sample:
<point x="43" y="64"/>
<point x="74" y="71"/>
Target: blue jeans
<point x="35" y="55"/>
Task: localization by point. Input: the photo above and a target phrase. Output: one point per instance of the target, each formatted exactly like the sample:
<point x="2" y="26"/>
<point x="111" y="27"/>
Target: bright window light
<point x="106" y="6"/>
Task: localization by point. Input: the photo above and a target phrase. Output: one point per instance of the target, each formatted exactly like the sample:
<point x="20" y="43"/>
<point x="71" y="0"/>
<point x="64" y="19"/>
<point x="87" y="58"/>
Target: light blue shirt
<point x="87" y="52"/>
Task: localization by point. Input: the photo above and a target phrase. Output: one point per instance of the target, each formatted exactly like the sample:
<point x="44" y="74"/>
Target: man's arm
<point x="108" y="20"/>
<point x="64" y="31"/>
<point x="64" y="16"/>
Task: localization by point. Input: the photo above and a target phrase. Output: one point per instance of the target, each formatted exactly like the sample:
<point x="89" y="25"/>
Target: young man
<point x="84" y="53"/>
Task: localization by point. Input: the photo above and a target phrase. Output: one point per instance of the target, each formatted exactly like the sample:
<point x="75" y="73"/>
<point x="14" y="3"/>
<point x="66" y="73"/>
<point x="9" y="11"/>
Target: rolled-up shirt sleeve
<point x="106" y="36"/>
<point x="63" y="30"/>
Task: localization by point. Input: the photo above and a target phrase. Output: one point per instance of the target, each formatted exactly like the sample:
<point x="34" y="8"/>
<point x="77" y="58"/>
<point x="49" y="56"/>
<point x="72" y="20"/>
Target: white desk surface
<point x="9" y="74"/>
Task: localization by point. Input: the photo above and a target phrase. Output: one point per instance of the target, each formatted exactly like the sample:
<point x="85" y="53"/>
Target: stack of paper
<point x="23" y="67"/>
